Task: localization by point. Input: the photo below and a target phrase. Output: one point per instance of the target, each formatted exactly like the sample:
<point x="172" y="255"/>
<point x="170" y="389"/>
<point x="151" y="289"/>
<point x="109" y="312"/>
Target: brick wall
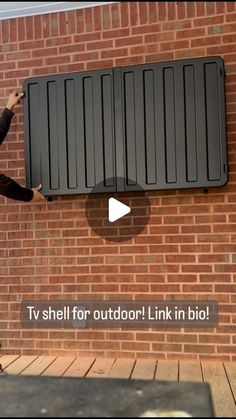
<point x="188" y="250"/>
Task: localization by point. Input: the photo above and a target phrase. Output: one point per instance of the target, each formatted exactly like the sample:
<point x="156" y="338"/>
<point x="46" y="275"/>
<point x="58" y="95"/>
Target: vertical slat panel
<point x="130" y="134"/>
<point x="160" y="124"/>
<point x="80" y="134"/>
<point x="213" y="129"/>
<point x="139" y="129"/>
<point x="89" y="131"/>
<point x="108" y="134"/>
<point x="190" y="123"/>
<point x="44" y="131"/>
<point x="97" y="123"/>
<point x="201" y="123"/>
<point x="61" y="134"/>
<point x="150" y="140"/>
<point x="180" y="134"/>
<point x="27" y="136"/>
<point x="34" y="131"/>
<point x="119" y="132"/>
<point x="53" y="137"/>
<point x="170" y="125"/>
<point x="71" y="133"/>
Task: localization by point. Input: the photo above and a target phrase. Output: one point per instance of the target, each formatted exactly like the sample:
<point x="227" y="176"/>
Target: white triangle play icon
<point x="117" y="210"/>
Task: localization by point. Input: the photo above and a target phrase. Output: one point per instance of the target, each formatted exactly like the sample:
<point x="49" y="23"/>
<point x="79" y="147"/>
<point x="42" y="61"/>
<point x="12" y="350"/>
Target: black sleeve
<point x="5" y="122"/>
<point x="10" y="189"/>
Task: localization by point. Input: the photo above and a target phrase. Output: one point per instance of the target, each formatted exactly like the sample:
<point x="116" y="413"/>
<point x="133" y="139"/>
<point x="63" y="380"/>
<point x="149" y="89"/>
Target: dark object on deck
<point x="99" y="397"/>
<point x="158" y="125"/>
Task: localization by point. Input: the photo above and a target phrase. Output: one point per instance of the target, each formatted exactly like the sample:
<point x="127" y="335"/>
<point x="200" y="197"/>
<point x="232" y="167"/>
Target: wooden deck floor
<point x="221" y="376"/>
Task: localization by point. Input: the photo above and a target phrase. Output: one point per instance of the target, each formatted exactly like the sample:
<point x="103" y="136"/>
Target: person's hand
<point x="38" y="196"/>
<point x="13" y="99"/>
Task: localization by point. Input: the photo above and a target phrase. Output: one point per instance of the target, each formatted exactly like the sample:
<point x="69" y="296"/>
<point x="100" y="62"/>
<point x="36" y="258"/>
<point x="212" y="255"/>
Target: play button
<point x="117" y="210"/>
<point x="116" y="217"/>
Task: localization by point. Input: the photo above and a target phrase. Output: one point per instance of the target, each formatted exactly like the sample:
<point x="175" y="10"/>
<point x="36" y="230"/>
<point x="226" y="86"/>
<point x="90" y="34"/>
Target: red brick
<point x="158" y="37"/>
<point x="29" y="28"/>
<point x="143" y="12"/>
<point x="210" y="8"/>
<point x="80" y="20"/>
<point x="166" y="46"/>
<point x="162" y="10"/>
<point x="66" y="68"/>
<point x="181" y="10"/>
<point x="15" y="74"/>
<point x="99" y="45"/>
<point x="6" y="31"/>
<point x="63" y="26"/>
<point x="112" y="53"/>
<point x="58" y="60"/>
<point x="145" y="29"/>
<point x="21" y="30"/>
<point x="124" y="14"/>
<point x="43" y="52"/>
<point x="53" y="42"/>
<point x="115" y="15"/>
<point x="30" y="45"/>
<point x="135" y="346"/>
<point x="191" y="9"/>
<point x="197" y="52"/>
<point x="96" y="12"/>
<point x="201" y="8"/>
<point x="129" y="60"/>
<point x="87" y="37"/>
<point x="230" y="6"/>
<point x="71" y="21"/>
<point x="205" y="349"/>
<point x="172" y="26"/>
<point x="46" y="26"/>
<point x="190" y="33"/>
<point x="13" y="30"/>
<point x="106" y="17"/>
<point x="152" y="11"/>
<point x="164" y="56"/>
<point x="44" y="71"/>
<point x="210" y="40"/>
<point x="38" y="28"/>
<point x="133" y="13"/>
<point x="54" y="23"/>
<point x="220" y="7"/>
<point x="166" y="347"/>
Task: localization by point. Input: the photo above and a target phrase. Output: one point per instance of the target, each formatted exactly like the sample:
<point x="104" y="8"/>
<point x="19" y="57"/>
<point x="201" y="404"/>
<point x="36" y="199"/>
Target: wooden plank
<point x="101" y="367"/>
<point x="223" y="401"/>
<point x="144" y="369"/>
<point x="167" y="371"/>
<point x="20" y="364"/>
<point x="39" y="365"/>
<point x="212" y="369"/>
<point x="122" y="368"/>
<point x="230" y="368"/>
<point x="79" y="367"/>
<point x="59" y="366"/>
<point x="190" y="371"/>
<point x="6" y="360"/>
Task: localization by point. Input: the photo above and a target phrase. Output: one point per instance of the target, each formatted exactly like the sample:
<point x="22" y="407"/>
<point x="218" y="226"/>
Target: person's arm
<point x="11" y="189"/>
<point x="5" y="122"/>
<point x="7" y="114"/>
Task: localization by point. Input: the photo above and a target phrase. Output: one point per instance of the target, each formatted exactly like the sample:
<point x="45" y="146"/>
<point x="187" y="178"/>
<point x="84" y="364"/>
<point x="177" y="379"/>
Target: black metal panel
<point x="159" y="126"/>
<point x="69" y="129"/>
<point x="174" y="124"/>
